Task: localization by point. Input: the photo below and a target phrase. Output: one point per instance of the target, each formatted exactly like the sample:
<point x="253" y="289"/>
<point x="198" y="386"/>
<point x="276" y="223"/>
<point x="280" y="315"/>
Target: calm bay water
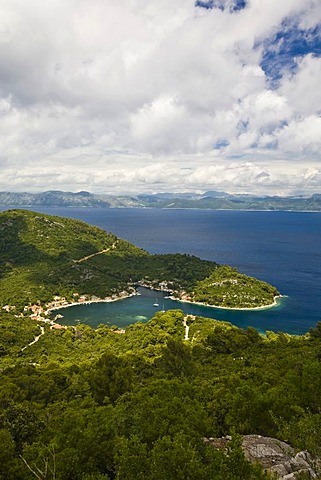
<point x="282" y="248"/>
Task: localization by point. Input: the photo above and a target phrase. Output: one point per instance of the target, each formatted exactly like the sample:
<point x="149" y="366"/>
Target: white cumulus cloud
<point x="123" y="95"/>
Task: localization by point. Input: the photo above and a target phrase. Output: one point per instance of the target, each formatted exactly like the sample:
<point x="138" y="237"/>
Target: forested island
<point x="175" y="398"/>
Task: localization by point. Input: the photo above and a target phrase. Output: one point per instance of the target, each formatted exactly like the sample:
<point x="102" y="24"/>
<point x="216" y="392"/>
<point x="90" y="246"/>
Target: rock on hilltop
<point x="274" y="455"/>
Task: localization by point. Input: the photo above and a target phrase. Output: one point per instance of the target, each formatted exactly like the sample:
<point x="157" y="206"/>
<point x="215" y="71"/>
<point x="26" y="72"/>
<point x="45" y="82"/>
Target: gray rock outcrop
<point x="274" y="455"/>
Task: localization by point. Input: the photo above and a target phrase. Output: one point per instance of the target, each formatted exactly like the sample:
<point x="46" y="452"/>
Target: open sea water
<point x="282" y="248"/>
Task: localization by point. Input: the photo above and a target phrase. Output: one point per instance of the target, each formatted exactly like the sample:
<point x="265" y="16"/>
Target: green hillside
<point x="43" y="256"/>
<point x="228" y="288"/>
<point x="84" y="404"/>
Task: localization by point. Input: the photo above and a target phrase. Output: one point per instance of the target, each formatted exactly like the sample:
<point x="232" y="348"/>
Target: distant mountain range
<point x="210" y="200"/>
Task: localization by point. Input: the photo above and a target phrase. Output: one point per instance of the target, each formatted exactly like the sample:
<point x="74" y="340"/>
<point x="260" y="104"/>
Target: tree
<point x="8" y="467"/>
<point x="111" y="377"/>
<point x="176" y="359"/>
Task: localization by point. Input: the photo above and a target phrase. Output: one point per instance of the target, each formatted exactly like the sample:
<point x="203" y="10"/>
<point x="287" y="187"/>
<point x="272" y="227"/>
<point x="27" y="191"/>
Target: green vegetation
<point x="43" y="256"/>
<point x="84" y="404"/>
<point x="228" y="288"/>
<point x="14" y="334"/>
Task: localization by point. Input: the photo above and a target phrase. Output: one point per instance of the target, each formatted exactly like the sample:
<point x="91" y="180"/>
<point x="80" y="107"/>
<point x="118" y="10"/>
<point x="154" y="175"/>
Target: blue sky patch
<point x="208" y="5"/>
<point x="285" y="47"/>
<point x="220" y="144"/>
<point x="242" y="126"/>
<point x="239" y="5"/>
<point x="221" y="4"/>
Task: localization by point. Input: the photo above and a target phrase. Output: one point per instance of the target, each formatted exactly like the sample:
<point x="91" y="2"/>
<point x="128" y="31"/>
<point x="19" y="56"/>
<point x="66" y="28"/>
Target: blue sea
<point x="282" y="248"/>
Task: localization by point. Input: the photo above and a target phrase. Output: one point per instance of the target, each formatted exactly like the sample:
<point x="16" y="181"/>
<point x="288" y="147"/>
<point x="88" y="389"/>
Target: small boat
<point x="156" y="304"/>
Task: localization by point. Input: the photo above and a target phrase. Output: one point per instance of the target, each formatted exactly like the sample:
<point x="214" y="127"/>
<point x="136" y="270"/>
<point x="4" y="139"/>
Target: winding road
<point x="95" y="254"/>
<point x="36" y="339"/>
<point x="186" y="328"/>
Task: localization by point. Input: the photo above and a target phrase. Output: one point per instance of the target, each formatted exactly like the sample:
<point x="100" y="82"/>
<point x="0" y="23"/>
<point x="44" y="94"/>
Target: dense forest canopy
<point x="86" y="404"/>
<point x="95" y="404"/>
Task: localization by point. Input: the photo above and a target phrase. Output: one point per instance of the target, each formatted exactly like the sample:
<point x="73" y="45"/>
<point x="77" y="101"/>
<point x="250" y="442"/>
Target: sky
<point x="133" y="96"/>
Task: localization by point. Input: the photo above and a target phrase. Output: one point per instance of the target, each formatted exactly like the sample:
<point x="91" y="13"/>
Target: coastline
<point x="276" y="301"/>
<point x="88" y="302"/>
<point x="263" y="307"/>
<point x="4" y="207"/>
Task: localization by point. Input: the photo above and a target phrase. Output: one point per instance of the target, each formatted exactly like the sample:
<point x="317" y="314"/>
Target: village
<point x="41" y="313"/>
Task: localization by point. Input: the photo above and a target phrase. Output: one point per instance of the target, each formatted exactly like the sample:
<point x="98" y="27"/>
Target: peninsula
<point x="52" y="261"/>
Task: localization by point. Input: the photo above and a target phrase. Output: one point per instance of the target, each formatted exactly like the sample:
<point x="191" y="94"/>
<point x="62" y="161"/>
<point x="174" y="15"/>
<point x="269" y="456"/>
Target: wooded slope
<point x="43" y="256"/>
